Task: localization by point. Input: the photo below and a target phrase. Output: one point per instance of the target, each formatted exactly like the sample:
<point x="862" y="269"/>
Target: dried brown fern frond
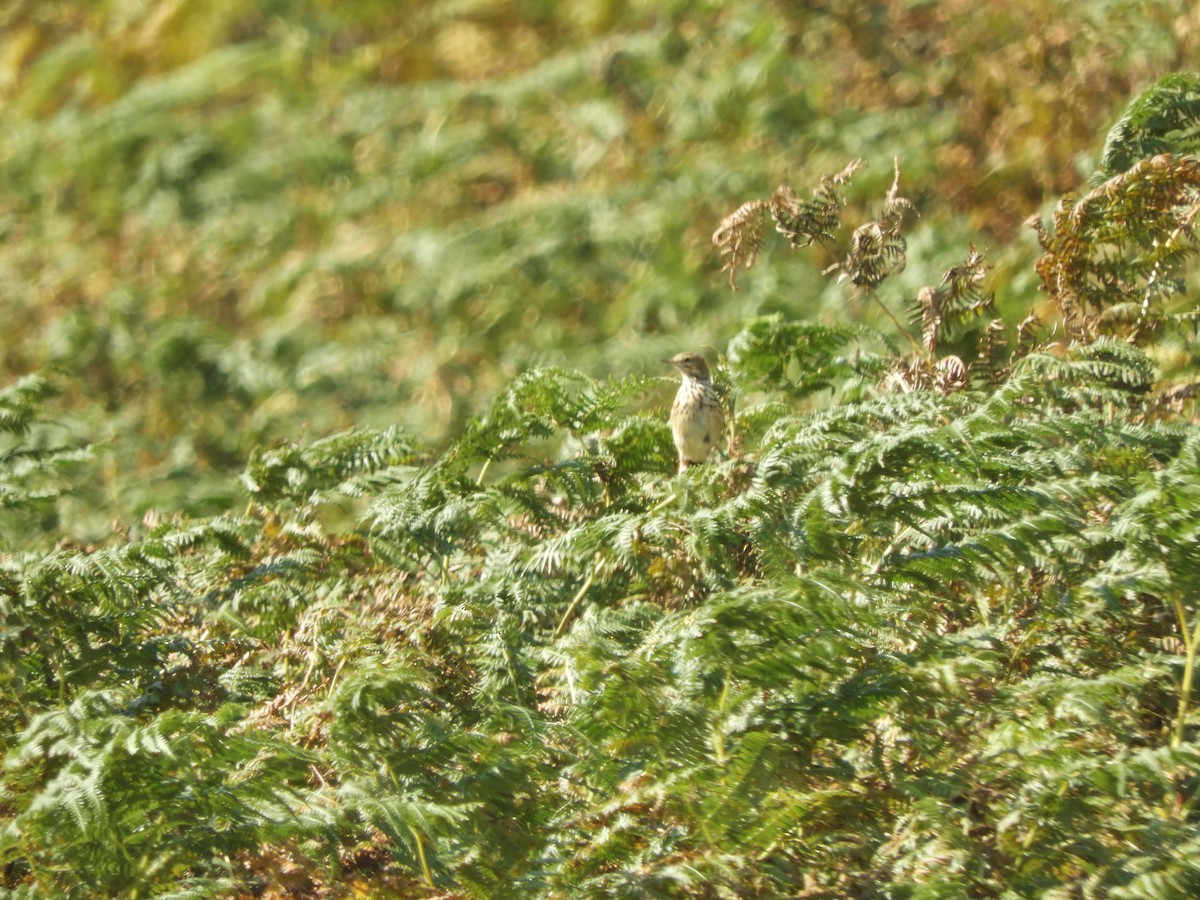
<point x="958" y="299"/>
<point x="877" y="248"/>
<point x="792" y="217"/>
<point x="1114" y="256"/>
<point x="928" y="312"/>
<point x="1173" y="399"/>
<point x="830" y="183"/>
<point x="874" y="254"/>
<point x="812" y="221"/>
<point x="990" y="360"/>
<point x="739" y="237"/>
<point x="895" y="206"/>
<point x="961" y="287"/>
<point x="949" y="374"/>
<point x="1027" y="335"/>
<point x="804" y="222"/>
<point x="915" y="373"/>
<point x="906" y="375"/>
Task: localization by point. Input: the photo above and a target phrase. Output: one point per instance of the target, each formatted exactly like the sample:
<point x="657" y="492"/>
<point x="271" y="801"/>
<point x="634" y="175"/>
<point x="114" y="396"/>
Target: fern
<point x="925" y="633"/>
<point x="878" y="248"/>
<point x="101" y="769"/>
<point x="1162" y="119"/>
<point x="32" y="476"/>
<point x="1112" y="257"/>
<point x="739" y="237"/>
<point x="708" y="682"/>
<point x="297" y="472"/>
<point x="959" y="298"/>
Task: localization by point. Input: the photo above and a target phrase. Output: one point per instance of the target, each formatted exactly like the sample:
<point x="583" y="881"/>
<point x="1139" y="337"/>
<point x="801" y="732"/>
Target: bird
<point x="697" y="421"/>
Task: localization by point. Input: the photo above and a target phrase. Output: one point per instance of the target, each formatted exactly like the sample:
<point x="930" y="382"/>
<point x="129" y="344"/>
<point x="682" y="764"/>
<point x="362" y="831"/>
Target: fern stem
<point x="662" y="504"/>
<point x="336" y="672"/>
<point x="1191" y="640"/>
<point x="718" y="737"/>
<point x="578" y="598"/>
<point x="487" y="464"/>
<point x="917" y="348"/>
<point x="425" y="871"/>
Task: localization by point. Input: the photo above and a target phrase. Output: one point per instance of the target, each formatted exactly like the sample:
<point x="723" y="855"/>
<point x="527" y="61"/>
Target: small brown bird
<point x="697" y="422"/>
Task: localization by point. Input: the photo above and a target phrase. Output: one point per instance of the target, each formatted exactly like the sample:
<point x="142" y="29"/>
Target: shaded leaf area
<point x="911" y="644"/>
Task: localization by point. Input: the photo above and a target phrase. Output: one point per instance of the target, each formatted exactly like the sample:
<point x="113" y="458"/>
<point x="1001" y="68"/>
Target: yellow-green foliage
<point x="341" y="552"/>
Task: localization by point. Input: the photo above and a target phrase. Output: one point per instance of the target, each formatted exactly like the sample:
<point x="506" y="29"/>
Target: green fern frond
<point x="21" y="402"/>
<point x="770" y="353"/>
<point x="1164" y="118"/>
<point x="341" y="462"/>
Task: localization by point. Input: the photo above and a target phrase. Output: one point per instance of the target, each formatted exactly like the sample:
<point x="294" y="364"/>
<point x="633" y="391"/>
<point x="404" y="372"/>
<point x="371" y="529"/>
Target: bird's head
<point x="690" y="364"/>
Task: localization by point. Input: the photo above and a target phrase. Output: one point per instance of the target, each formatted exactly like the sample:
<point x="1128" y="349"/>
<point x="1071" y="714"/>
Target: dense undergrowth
<point x="234" y="224"/>
<point x="927" y="630"/>
<point x="931" y="637"/>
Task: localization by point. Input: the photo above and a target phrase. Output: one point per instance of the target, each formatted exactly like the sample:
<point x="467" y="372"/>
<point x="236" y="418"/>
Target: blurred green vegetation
<point x="340" y="554"/>
<point x="226" y="225"/>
